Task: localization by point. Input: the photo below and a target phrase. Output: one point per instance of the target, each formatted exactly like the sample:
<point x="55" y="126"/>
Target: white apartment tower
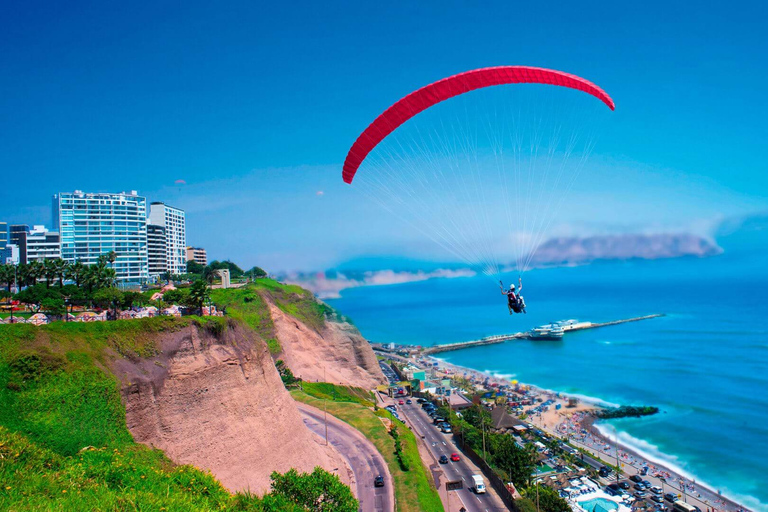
<point x="174" y="222"/>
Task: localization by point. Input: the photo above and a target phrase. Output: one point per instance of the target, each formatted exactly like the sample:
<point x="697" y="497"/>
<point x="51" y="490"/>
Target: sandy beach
<point x="578" y="425"/>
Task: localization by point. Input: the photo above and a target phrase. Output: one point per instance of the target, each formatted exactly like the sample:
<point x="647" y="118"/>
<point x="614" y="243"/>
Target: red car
<point x="401" y="402"/>
<point x="455" y="457"/>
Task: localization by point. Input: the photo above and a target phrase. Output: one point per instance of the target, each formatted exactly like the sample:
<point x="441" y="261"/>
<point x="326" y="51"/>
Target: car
<point x="639" y="494"/>
<point x="401" y="402"/>
<point x="624" y="485"/>
<point x="656" y="490"/>
<point x="455" y="457"/>
<point x="640" y="486"/>
<point x="378" y="481"/>
<point x="661" y="507"/>
<point x="657" y="498"/>
<point x="409" y="401"/>
<point x="443" y="459"/>
<point x="604" y="471"/>
<point x="438" y="420"/>
<point x="647" y="484"/>
<point x="614" y="488"/>
<point x="636" y="478"/>
<point x="670" y="497"/>
<point x="446" y="429"/>
<point x="421" y="400"/>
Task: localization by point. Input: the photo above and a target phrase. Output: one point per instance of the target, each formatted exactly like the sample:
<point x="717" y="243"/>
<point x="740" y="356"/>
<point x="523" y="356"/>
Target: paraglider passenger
<point x="515" y="301"/>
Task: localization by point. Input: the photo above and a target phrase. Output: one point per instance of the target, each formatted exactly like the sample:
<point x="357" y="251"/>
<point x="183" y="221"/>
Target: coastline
<point x="604" y="444"/>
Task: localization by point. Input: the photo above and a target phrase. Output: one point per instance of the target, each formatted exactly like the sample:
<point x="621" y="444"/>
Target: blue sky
<point x="255" y="105"/>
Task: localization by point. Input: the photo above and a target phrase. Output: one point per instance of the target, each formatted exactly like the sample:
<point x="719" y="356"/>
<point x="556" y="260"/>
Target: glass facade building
<point x="92" y="224"/>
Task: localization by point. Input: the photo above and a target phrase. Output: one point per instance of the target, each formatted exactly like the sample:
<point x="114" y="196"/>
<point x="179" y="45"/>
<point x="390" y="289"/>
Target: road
<point x="442" y="444"/>
<point x="366" y="462"/>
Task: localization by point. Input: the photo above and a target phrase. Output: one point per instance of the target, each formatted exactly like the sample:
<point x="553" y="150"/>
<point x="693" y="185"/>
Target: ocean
<point x="705" y="364"/>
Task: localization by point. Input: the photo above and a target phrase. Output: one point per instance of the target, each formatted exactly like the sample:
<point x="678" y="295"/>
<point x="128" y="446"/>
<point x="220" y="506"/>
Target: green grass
<point x="333" y="392"/>
<point x="249" y="304"/>
<point x="64" y="443"/>
<point x="414" y="489"/>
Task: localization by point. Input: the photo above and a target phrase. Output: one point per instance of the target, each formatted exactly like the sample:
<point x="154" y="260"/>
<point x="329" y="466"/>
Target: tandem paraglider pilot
<point x="515" y="301"/>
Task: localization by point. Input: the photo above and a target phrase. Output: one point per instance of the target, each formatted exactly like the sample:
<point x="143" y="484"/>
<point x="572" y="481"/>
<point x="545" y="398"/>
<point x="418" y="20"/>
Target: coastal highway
<point x="442" y="444"/>
<point x="366" y="462"/>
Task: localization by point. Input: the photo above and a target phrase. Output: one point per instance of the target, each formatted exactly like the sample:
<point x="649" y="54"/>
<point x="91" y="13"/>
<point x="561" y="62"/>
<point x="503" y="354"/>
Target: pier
<point x="501" y="338"/>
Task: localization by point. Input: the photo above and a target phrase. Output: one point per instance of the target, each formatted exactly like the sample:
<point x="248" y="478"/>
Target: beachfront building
<point x="4" y="240"/>
<point x="39" y="244"/>
<point x="92" y="224"/>
<point x="156" y="250"/>
<point x="174" y="221"/>
<point x="198" y="255"/>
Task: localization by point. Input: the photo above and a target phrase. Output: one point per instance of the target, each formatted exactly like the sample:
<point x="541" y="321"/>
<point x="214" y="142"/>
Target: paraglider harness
<point x="515" y="301"/>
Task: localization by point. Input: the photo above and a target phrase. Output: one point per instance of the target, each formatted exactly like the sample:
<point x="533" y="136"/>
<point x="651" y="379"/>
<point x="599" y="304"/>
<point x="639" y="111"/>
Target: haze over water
<point x="705" y="364"/>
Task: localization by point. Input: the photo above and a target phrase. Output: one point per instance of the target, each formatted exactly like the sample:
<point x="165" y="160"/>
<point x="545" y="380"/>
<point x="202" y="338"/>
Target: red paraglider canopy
<point x="434" y="93"/>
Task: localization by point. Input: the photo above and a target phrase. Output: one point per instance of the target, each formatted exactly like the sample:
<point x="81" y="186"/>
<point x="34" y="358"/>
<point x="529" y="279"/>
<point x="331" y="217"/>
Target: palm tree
<point x="62" y="268"/>
<point x="35" y="272"/>
<point x="6" y="276"/>
<point x="49" y="271"/>
<point x="198" y="292"/>
<point x="76" y="272"/>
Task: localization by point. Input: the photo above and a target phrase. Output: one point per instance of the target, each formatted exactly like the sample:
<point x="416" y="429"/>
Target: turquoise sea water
<point x="705" y="364"/>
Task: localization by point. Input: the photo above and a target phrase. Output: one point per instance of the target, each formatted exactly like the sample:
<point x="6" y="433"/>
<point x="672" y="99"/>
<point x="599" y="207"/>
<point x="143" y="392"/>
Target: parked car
<point x="604" y="471"/>
<point x="409" y="401"/>
<point x="656" y="490"/>
<point x="624" y="485"/>
<point x="647" y="484"/>
<point x="657" y="498"/>
<point x="613" y="489"/>
<point x="639" y="494"/>
<point x="455" y="457"/>
<point x="670" y="497"/>
<point x="636" y="478"/>
<point x="378" y="481"/>
<point x="401" y="402"/>
<point x="640" y="486"/>
<point x="438" y="420"/>
<point x="443" y="459"/>
<point x="446" y="429"/>
<point x="661" y="507"/>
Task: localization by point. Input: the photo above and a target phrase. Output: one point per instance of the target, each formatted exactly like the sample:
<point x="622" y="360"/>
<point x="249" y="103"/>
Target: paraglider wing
<point x="434" y="93"/>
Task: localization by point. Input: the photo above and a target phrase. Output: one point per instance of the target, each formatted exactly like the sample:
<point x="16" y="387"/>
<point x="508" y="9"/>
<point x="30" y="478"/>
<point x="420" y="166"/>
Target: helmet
<point x="511" y="287"/>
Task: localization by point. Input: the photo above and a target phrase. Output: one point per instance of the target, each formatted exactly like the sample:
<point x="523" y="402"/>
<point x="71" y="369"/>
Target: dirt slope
<point x="217" y="402"/>
<point x="338" y="348"/>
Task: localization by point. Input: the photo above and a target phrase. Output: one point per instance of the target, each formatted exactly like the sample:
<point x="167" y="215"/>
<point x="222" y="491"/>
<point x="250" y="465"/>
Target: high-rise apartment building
<point x="39" y="244"/>
<point x="156" y="250"/>
<point x="4" y="240"/>
<point x="92" y="224"/>
<point x="198" y="255"/>
<point x="174" y="222"/>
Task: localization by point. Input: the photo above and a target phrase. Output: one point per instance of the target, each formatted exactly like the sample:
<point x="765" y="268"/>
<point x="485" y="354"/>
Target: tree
<point x="194" y="267"/>
<point x="234" y="270"/>
<point x="178" y="296"/>
<point x="61" y="269"/>
<point x="131" y="299"/>
<point x="285" y="373"/>
<point x="7" y="276"/>
<point x="109" y="298"/>
<point x="50" y="271"/>
<point x="518" y="462"/>
<point x="317" y="491"/>
<point x="54" y="306"/>
<point x="34" y="296"/>
<point x="198" y="294"/>
<point x="257" y="272"/>
<point x="76" y="272"/>
<point x="548" y="499"/>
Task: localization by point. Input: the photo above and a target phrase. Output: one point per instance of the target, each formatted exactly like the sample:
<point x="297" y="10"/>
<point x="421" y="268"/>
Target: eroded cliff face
<point x="338" y="350"/>
<point x="217" y="402"/>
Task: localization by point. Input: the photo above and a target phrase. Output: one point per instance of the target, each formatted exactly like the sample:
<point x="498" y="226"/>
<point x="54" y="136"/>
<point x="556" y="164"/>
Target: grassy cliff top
<point x="249" y="304"/>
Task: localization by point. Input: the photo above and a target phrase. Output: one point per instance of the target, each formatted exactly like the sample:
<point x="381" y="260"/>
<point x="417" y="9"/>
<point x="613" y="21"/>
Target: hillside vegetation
<point x="249" y="304"/>
<point x="64" y="443"/>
